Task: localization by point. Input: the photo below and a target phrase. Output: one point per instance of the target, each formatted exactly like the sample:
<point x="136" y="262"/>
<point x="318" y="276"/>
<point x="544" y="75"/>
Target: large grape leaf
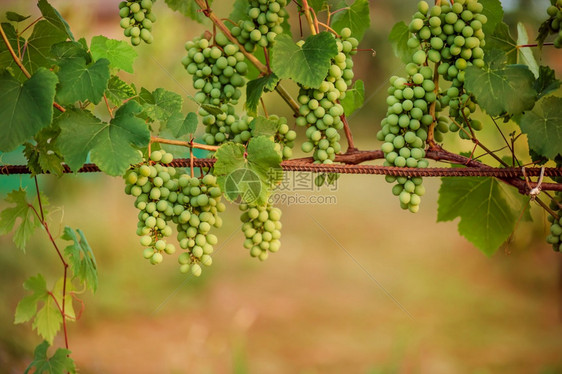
<point x="69" y="49"/>
<point x="354" y="98"/>
<point x="546" y="82"/>
<point x="526" y="56"/>
<point x="121" y="55"/>
<point x="543" y="126"/>
<point x="398" y="39"/>
<point x="81" y="258"/>
<point x="25" y="108"/>
<point x="255" y="88"/>
<point x="160" y="104"/>
<point x="502" y="89"/>
<point x="81" y="82"/>
<point x="307" y="65"/>
<point x="39" y="45"/>
<point x="54" y="18"/>
<point x="262" y="126"/>
<point x="178" y="126"/>
<point x="494" y="12"/>
<point x="501" y="40"/>
<point x="488" y="209"/>
<point x="112" y="145"/>
<point x="239" y="10"/>
<point x="58" y="363"/>
<point x="118" y="91"/>
<point x="188" y="8"/>
<point x="27" y="307"/>
<point x="356" y="17"/>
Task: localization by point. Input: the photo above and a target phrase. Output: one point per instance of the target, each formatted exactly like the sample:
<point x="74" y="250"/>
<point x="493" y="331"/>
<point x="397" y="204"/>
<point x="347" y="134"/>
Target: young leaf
<point x="526" y="56"/>
<point x="54" y="18"/>
<point x="60" y="362"/>
<point x="547" y="82"/>
<point x="354" y="98"/>
<point x="502" y="89"/>
<point x="118" y="91"/>
<point x="493" y="11"/>
<point x="180" y="126"/>
<point x="81" y="258"/>
<point x="356" y="17"/>
<point x="26" y="108"/>
<point x="255" y="88"/>
<point x="38" y="52"/>
<point x="543" y="126"/>
<point x="188" y="8"/>
<point x="27" y="307"/>
<point x="23" y="211"/>
<point x="15" y="17"/>
<point x="57" y="293"/>
<point x="44" y="155"/>
<point x="398" y="39"/>
<point x="265" y="161"/>
<point x="80" y="82"/>
<point x="48" y="320"/>
<point x="488" y="209"/>
<point x="307" y="64"/>
<point x="262" y="126"/>
<point x="160" y="104"/>
<point x="121" y="55"/>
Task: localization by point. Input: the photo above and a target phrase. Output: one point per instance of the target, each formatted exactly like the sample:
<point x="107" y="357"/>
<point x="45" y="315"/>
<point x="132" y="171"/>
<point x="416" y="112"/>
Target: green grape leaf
<point x="25" y="213"/>
<point x="57" y="293"/>
<point x="48" y="320"/>
<point x="81" y="258"/>
<point x="211" y="109"/>
<point x="354" y="98"/>
<point x="38" y="52"/>
<point x="356" y="17"/>
<point x="112" y="145"/>
<point x="239" y="10"/>
<point x="398" y="39"/>
<point x="15" y="17"/>
<point x="307" y="65"/>
<point x="44" y="155"/>
<point x="27" y="307"/>
<point x="180" y="126"/>
<point x="502" y="89"/>
<point x="262" y="126"/>
<point x="121" y="55"/>
<point x="26" y="107"/>
<point x="118" y="91"/>
<point x="188" y="8"/>
<point x="265" y="161"/>
<point x="6" y="59"/>
<point x="488" y="209"/>
<point x="58" y="363"/>
<point x="255" y="88"/>
<point x="160" y="104"/>
<point x="54" y="18"/>
<point x="68" y="49"/>
<point x="493" y="10"/>
<point x="543" y="126"/>
<point x="253" y="72"/>
<point x="231" y="162"/>
<point x="526" y="56"/>
<point x="80" y="82"/>
<point x="501" y="40"/>
<point x="547" y="82"/>
<point x="544" y="31"/>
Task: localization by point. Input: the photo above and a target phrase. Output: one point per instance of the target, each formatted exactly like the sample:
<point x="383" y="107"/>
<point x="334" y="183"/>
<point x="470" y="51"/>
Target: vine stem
<point x="208" y="12"/>
<point x="532" y="45"/>
<point x="20" y="64"/>
<point x="190" y="144"/>
<point x="432" y="109"/>
<point x="350" y="144"/>
<point x="308" y="16"/>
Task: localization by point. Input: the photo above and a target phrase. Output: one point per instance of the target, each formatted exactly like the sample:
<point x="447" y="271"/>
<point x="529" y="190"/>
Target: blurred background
<point x="359" y="286"/>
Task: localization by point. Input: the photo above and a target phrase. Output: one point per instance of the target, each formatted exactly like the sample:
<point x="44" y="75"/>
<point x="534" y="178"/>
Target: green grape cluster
<point x="137" y="19"/>
<point x="165" y="196"/>
<point x="405" y="128"/>
<point x="218" y="127"/>
<point x="451" y="36"/>
<point x="262" y="228"/>
<point x="200" y="201"/>
<point x="555" y="237"/>
<point x="555" y="20"/>
<point x="320" y="109"/>
<point x="262" y="25"/>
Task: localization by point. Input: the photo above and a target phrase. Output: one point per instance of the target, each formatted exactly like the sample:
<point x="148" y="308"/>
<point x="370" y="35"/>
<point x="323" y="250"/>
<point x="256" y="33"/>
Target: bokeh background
<point x="359" y="286"/>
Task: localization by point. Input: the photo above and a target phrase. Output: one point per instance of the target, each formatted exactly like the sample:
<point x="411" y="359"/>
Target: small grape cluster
<point x="137" y="19"/>
<point x="405" y="128"/>
<point x="320" y="109"/>
<point x="262" y="25"/>
<point x="555" y="20"/>
<point x="165" y="196"/>
<point x="218" y="73"/>
<point x="451" y="35"/>
<point x="262" y="228"/>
